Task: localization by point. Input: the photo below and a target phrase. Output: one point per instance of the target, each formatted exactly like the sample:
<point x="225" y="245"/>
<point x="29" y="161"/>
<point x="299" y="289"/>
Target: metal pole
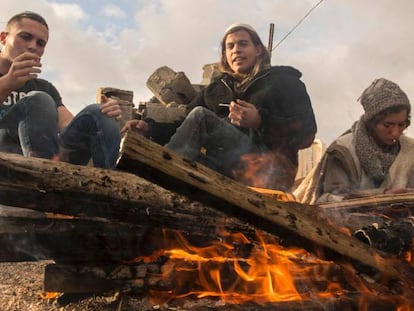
<point x="270" y="44"/>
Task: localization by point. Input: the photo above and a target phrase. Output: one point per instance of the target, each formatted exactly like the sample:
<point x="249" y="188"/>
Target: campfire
<point x="174" y="231"/>
<point x="237" y="271"/>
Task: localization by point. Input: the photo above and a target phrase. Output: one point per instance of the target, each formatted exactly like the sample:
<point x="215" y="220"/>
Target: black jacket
<point x="288" y="122"/>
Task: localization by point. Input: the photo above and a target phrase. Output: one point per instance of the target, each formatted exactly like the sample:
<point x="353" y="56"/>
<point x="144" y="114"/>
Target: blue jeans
<point x="91" y="134"/>
<point x="224" y="143"/>
<point x="30" y="127"/>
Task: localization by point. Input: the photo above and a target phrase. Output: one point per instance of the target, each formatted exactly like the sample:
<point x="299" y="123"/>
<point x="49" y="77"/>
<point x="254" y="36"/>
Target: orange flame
<point x="49" y="295"/>
<point x="237" y="271"/>
<point x="268" y="273"/>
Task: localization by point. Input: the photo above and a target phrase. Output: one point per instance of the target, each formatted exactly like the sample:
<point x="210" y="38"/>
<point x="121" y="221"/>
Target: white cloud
<point x="340" y="47"/>
<point x="113" y="10"/>
<point x="68" y="12"/>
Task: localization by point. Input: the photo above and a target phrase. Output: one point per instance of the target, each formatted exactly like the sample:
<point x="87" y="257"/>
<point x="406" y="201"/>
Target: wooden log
<point x="90" y="241"/>
<point x="75" y="241"/>
<point x="381" y="201"/>
<point x="80" y="191"/>
<point x="166" y="168"/>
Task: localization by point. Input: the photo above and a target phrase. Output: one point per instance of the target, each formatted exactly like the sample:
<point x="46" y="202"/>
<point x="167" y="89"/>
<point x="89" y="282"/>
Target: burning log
<point x="393" y="237"/>
<point x="172" y="171"/>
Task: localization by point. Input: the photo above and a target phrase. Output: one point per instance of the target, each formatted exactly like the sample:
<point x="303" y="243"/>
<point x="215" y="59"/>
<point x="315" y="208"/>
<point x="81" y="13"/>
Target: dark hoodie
<point x="288" y="123"/>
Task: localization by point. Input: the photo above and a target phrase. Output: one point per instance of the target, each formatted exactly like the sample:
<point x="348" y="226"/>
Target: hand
<point x="244" y="114"/>
<point x="138" y="126"/>
<point x="23" y="68"/>
<point x="110" y="107"/>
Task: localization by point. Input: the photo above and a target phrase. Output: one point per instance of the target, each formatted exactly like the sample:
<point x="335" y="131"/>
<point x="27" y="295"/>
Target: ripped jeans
<point x="30" y="127"/>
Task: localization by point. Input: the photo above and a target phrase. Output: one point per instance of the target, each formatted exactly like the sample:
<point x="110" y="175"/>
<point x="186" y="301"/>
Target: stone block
<point x="210" y="71"/>
<point x="164" y="113"/>
<point x="170" y="86"/>
<point x="125" y="95"/>
<point x="124" y="98"/>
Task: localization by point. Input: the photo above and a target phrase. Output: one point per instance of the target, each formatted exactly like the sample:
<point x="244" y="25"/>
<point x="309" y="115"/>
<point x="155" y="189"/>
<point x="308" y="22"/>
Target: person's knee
<point x="93" y="109"/>
<point x="199" y="113"/>
<point x="102" y="122"/>
<point x="39" y="97"/>
<point x="39" y="102"/>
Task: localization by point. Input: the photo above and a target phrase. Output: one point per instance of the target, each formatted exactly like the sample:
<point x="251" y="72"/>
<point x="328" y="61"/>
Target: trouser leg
<point x="32" y="125"/>
<point x="223" y="142"/>
<point x="91" y="134"/>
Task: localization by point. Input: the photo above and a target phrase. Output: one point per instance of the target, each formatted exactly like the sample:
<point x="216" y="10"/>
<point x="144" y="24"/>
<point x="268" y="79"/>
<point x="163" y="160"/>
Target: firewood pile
<point x="114" y="230"/>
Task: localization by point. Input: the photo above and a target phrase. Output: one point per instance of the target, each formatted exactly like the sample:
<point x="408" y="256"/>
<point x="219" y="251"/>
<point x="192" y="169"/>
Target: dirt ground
<point x="21" y="286"/>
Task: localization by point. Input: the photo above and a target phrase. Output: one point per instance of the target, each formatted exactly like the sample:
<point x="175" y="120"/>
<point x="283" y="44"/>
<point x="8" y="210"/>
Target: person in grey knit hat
<point x="373" y="157"/>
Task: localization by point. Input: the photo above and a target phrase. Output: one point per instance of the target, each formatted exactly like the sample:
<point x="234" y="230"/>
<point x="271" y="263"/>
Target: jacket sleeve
<point x="288" y="120"/>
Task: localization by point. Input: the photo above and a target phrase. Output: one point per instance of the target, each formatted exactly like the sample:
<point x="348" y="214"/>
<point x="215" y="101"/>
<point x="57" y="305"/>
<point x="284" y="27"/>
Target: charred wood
<point x="69" y="240"/>
<point x="393" y="237"/>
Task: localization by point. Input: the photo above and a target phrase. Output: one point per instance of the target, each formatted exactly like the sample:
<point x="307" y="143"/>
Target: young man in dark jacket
<point x="252" y="114"/>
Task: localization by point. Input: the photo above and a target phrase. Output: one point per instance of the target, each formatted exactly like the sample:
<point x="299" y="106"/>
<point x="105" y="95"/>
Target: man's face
<point x="241" y="53"/>
<point x="25" y="36"/>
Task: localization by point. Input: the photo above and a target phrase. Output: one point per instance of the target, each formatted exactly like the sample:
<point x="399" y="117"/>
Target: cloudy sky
<point x="340" y="48"/>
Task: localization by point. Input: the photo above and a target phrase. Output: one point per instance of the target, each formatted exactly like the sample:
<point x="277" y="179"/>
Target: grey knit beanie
<point x="380" y="95"/>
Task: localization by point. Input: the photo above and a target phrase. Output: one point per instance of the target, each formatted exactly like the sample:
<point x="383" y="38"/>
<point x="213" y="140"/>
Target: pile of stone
<point x="172" y="91"/>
